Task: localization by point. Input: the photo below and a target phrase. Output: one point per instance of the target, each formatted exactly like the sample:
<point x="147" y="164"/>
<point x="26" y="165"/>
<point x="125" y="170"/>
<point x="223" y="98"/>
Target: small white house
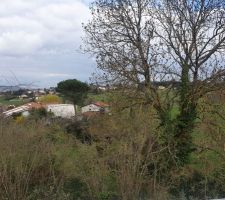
<point x="90" y="108"/>
<point x="23" y="96"/>
<point x="61" y="110"/>
<point x="102" y="88"/>
<point x="96" y="107"/>
<point x="161" y="87"/>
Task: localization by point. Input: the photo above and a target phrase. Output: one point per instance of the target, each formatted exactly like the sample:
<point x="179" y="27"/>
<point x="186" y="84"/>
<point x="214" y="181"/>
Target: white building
<point x="90" y="108"/>
<point x="20" y="109"/>
<point x="23" y="96"/>
<point x="95" y="107"/>
<point x="161" y="87"/>
<point x="61" y="110"/>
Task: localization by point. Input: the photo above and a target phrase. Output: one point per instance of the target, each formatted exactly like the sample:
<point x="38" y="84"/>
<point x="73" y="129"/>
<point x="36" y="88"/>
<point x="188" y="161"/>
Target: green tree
<point x="73" y="90"/>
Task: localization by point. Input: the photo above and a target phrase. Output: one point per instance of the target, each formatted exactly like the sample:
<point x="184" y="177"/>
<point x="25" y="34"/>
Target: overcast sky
<point x="40" y="39"/>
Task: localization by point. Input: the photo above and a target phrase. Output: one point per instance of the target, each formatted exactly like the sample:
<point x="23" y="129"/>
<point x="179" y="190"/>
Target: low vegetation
<point x="6" y="100"/>
<point x="120" y="156"/>
<point x="50" y="99"/>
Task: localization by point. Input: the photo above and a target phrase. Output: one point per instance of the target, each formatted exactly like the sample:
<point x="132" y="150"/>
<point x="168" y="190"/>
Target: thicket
<point x="111" y="157"/>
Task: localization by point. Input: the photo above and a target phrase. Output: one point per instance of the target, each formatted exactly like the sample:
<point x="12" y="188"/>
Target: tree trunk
<point x="177" y="132"/>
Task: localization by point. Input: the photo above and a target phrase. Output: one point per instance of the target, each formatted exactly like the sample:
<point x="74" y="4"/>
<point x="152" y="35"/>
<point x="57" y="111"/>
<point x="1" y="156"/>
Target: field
<point x="16" y="101"/>
<point x="104" y="96"/>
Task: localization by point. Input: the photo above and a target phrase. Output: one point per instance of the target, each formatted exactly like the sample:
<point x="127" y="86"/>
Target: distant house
<point x="24" y="109"/>
<point x="102" y="88"/>
<point x="17" y="110"/>
<point x="41" y="92"/>
<point x="61" y="110"/>
<point x="23" y="96"/>
<point x="38" y="93"/>
<point x="161" y="87"/>
<point x="95" y="107"/>
<point x="29" y="92"/>
<point x="90" y="108"/>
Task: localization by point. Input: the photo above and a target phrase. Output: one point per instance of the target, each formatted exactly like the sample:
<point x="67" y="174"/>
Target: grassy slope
<point x="104" y="96"/>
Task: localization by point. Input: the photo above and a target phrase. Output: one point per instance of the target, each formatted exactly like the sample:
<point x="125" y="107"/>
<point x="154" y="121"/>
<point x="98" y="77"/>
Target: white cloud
<point x="19" y="43"/>
<point x="38" y="26"/>
<point x="58" y="75"/>
<point x="39" y="40"/>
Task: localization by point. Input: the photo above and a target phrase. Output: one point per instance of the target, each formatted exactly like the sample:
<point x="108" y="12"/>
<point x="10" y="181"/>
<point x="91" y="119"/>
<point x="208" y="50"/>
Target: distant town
<point x="16" y="101"/>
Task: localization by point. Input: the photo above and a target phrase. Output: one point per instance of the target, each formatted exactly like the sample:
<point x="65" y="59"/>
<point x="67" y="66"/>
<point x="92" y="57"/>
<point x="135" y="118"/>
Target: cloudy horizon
<point x="40" y="40"/>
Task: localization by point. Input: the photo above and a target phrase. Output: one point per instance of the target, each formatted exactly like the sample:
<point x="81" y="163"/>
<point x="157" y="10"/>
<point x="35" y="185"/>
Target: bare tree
<point x="138" y="42"/>
<point x="120" y="35"/>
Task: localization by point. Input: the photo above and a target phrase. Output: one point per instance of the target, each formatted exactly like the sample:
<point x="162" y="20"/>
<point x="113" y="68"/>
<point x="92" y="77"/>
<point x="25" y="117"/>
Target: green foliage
<point x="41" y="113"/>
<point x="103" y="96"/>
<point x="196" y="186"/>
<point x="50" y="98"/>
<point x="80" y="131"/>
<point x="76" y="188"/>
<point x="73" y="90"/>
<point x="121" y="156"/>
<point x="4" y="100"/>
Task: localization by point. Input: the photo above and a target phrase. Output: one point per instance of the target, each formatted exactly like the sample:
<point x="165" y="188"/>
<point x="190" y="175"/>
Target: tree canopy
<point x="139" y="42"/>
<point x="73" y="90"/>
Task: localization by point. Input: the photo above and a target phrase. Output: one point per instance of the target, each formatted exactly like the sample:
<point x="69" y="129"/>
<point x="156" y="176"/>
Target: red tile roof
<point x="101" y="104"/>
<point x="34" y="105"/>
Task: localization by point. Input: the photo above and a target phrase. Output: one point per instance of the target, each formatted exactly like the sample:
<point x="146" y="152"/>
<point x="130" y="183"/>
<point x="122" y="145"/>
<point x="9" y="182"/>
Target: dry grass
<point x="27" y="160"/>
